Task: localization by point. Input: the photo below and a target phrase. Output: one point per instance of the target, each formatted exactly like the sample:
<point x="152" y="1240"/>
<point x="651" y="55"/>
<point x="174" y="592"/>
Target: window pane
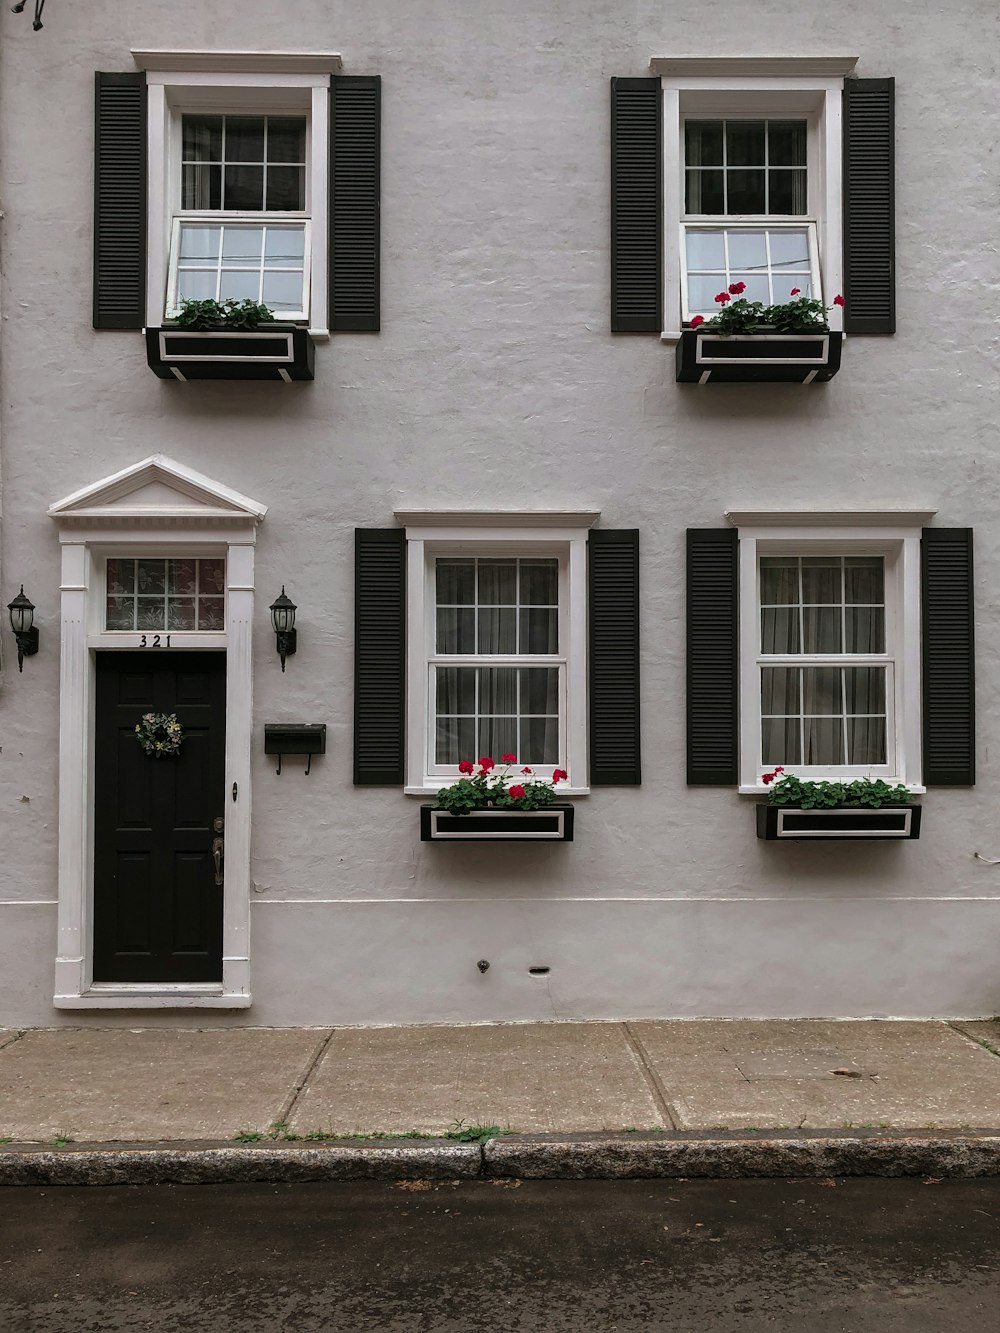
<point x="456" y="582"/>
<point x="151" y="576"/>
<point x="779" y="690"/>
<point x="239" y="285"/>
<point x="151" y="613"/>
<point x="456" y="630"/>
<point x="539" y="690"/>
<point x="242" y="245"/>
<point x="747" y="249"/>
<point x="865" y="689"/>
<point x="497" y="583"/>
<point x="779" y="630"/>
<point x="866" y="740"/>
<point x="821" y="629"/>
<point x="823" y="740"/>
<point x="283" y="291"/>
<point x="864" y="579"/>
<point x="181" y="577"/>
<point x="787" y="192"/>
<point x="211" y="613"/>
<point x="786" y="145"/>
<point x="744" y="143"/>
<point x="821" y="579"/>
<point x="539" y="741"/>
<point x="120" y="613"/>
<point x="702" y="292"/>
<point x="540" y="583"/>
<point x="822" y="691"/>
<point x="121" y="576"/>
<point x="705" y="192"/>
<point x="790" y="250"/>
<point x="211" y="576"/>
<point x="781" y="739"/>
<point x="745" y="192"/>
<point x="455" y="740"/>
<point x="285" y="188"/>
<point x="286" y="139"/>
<point x="865" y="626"/>
<point x="200" y="244"/>
<point x="756" y="284"/>
<point x="497" y="629"/>
<point x="703" y="143"/>
<point x="779" y="580"/>
<point x="455" y="689"/>
<point x="244" y="188"/>
<point x="198" y="285"/>
<point x="498" y="690"/>
<point x="705" y="249"/>
<point x="244" y="138"/>
<point x="202" y="186"/>
<point x="497" y="736"/>
<point x="284" y="247"/>
<point x="201" y="139"/>
<point x="539" y="630"/>
<point x="180" y="613"/>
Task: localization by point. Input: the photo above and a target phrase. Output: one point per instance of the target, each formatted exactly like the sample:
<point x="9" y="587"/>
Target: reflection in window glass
<point x="263" y="263"/>
<point x="177" y="594"/>
<point x="770" y="261"/>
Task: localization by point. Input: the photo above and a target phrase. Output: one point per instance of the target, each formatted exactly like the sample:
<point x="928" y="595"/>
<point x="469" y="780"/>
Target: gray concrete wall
<point x="495" y="379"/>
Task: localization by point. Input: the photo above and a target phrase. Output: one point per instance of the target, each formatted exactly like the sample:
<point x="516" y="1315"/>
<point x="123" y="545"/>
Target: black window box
<point x="757" y="358"/>
<point x="553" y="824"/>
<point x="268" y="352"/>
<point x="788" y="822"/>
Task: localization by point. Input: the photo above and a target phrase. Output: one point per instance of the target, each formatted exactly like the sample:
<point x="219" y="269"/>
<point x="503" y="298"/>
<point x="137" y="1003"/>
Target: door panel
<point x="157" y="908"/>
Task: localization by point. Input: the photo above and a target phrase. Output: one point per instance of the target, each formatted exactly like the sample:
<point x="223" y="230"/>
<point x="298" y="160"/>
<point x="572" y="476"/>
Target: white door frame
<point x="156" y="507"/>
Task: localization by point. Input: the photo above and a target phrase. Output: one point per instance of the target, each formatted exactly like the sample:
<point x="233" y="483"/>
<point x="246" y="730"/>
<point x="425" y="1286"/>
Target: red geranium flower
<point x="839" y="300"/>
<point x="486" y="763"/>
<point x="698" y="319"/>
<point x="560" y="775"/>
<point x="516" y="790"/>
<point x="508" y="759"/>
<point x="722" y="298"/>
<point x="466" y="766"/>
<point x="737" y="288"/>
<point x="796" y="290"/>
<point x="526" y="770"/>
<point x="768" y="778"/>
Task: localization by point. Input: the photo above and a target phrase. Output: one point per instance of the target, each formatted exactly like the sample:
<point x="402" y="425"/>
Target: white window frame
<point x="430" y="534"/>
<point x="893" y="534"/>
<point x="180" y="82"/>
<point x="778" y="87"/>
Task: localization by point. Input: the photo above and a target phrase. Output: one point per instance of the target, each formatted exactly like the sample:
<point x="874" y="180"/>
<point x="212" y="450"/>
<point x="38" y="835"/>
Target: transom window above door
<point x="169" y="594"/>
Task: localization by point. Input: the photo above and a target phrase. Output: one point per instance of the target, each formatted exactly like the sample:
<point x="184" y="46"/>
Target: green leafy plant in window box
<point x="484" y="786"/>
<point x="232" y="314"/>
<point x="860" y="793"/>
<point x="800" y="314"/>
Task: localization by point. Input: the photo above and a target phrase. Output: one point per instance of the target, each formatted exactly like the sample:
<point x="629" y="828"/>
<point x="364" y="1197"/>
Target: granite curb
<point x="524" y="1156"/>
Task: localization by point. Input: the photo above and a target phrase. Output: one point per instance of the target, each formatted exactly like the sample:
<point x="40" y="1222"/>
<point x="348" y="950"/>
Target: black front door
<point x="157" y="906"/>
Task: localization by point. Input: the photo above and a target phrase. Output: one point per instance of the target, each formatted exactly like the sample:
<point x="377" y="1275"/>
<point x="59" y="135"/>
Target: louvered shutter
<point x="120" y="201"/>
<point x="355" y="171"/>
<point x="869" y="206"/>
<point x="713" y="657"/>
<point x="948" y="647"/>
<point x="613" y="609"/>
<point x="379" y="656"/>
<point x="636" y="206"/>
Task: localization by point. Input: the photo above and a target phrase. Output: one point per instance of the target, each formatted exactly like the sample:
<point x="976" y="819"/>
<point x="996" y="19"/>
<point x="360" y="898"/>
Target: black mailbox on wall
<point x="283" y="738"/>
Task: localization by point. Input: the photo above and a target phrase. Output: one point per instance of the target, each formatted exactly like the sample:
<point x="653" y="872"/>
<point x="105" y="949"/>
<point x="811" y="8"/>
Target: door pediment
<point x="158" y="492"/>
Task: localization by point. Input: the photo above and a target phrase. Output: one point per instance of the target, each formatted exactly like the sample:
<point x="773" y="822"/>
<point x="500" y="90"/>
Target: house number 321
<point x="154" y="641"/>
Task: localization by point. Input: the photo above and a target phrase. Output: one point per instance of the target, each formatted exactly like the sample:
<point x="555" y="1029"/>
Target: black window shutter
<point x="613" y="610"/>
<point x="355" y="172"/>
<point x="636" y="206"/>
<point x="379" y="657"/>
<point x="869" y="206"/>
<point x="120" y="201"/>
<point x="713" y="657"/>
<point x="948" y="646"/>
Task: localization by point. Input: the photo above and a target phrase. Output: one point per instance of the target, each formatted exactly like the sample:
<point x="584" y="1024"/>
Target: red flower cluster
<point x="839" y="300"/>
<point x="698" y="319"/>
<point x="508" y="759"/>
<point x="737" y="288"/>
<point x="466" y="766"/>
<point x="768" y="778"/>
<point x="560" y="775"/>
<point x="722" y="298"/>
<point x="796" y="291"/>
<point x="486" y="763"/>
<point x="516" y="790"/>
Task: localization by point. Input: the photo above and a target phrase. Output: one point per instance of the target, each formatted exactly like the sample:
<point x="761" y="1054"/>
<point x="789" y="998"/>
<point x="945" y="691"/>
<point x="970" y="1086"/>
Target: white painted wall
<point x="495" y="378"/>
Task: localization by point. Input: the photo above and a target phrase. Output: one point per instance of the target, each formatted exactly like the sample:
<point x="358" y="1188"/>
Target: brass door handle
<point x="218" y="846"/>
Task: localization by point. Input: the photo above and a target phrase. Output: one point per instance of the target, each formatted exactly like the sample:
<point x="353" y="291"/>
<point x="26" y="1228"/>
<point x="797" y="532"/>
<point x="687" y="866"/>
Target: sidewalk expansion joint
<point x="656" y="1088"/>
<point x="290" y="1106"/>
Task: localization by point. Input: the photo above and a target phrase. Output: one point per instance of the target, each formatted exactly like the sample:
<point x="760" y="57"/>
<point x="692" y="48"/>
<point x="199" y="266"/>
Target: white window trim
<point x="894" y="534"/>
<point x="430" y="533"/>
<point x="163" y="508"/>
<point x="776" y="86"/>
<point x="240" y="84"/>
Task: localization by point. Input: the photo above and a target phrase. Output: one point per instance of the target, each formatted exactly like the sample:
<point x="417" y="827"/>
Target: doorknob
<point x="218" y="847"/>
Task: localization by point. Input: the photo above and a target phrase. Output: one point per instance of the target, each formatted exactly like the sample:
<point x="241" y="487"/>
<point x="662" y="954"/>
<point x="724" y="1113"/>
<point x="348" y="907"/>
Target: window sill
<point x="759" y="789"/>
<point x="153" y="997"/>
<point x="433" y="788"/>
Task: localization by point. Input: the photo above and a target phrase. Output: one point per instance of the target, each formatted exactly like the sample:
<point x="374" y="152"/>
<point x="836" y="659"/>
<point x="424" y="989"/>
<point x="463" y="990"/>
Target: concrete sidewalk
<point x="679" y="1079"/>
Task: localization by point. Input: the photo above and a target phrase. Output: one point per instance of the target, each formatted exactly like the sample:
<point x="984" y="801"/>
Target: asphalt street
<point x="882" y="1256"/>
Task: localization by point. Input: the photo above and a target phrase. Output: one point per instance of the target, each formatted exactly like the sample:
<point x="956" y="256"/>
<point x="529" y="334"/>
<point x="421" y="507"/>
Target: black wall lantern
<point x="22" y="615"/>
<point x="283" y="619"/>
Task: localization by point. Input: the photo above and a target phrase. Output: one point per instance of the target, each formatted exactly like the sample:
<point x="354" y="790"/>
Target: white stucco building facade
<point x="479" y="393"/>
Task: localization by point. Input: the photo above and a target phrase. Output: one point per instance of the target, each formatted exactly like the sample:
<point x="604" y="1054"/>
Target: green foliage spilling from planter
<point x="792" y="791"/>
<point x="801" y="314"/>
<point x="231" y="314"/>
<point x="484" y="786"/>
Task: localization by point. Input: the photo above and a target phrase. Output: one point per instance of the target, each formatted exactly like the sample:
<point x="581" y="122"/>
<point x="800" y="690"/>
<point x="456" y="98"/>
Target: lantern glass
<point x="283" y="614"/>
<point x="22" y="613"/>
